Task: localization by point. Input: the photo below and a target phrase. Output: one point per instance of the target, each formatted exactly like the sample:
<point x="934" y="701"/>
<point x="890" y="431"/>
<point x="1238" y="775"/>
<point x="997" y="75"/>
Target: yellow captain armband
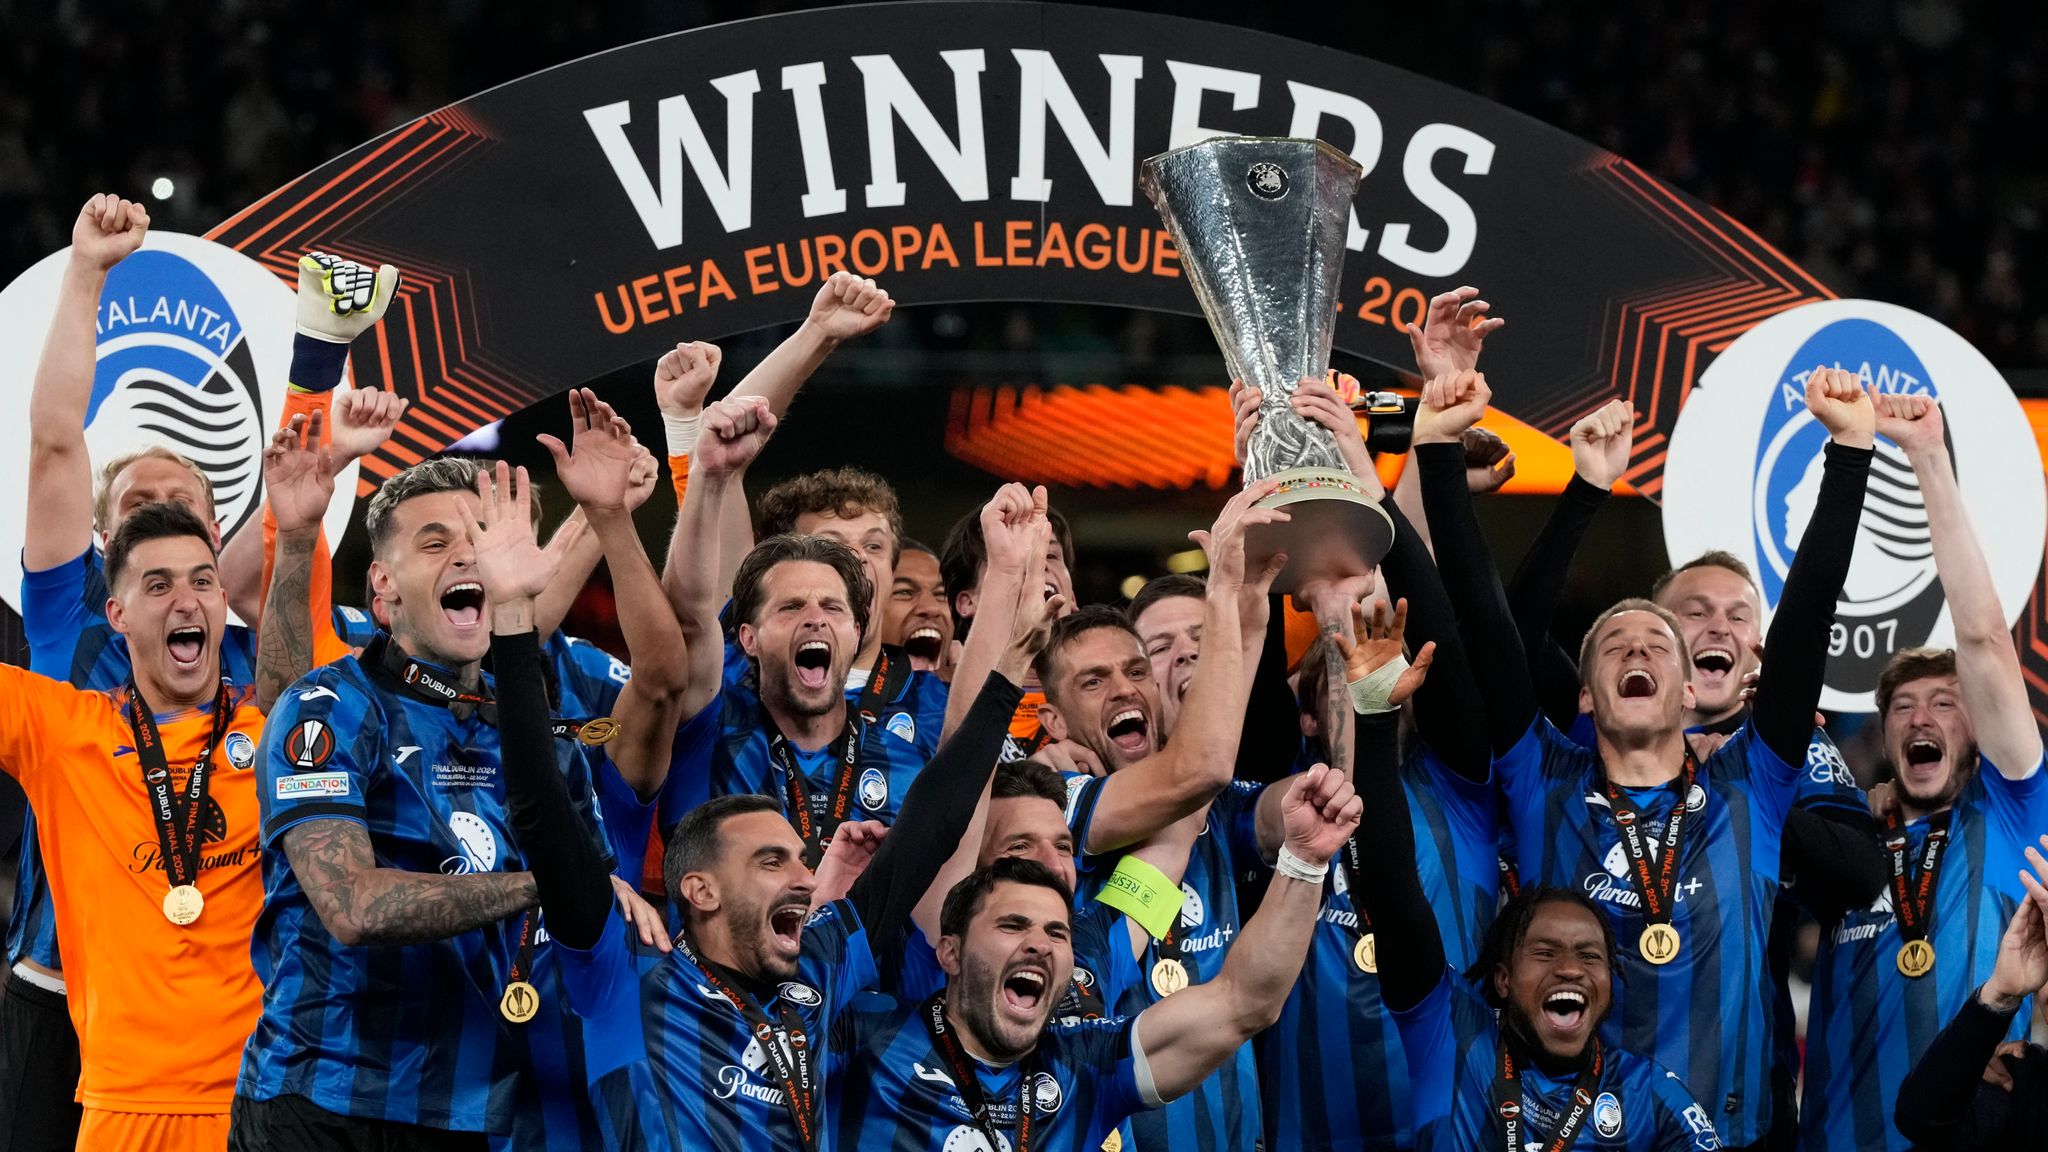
<point x="1143" y="893"/>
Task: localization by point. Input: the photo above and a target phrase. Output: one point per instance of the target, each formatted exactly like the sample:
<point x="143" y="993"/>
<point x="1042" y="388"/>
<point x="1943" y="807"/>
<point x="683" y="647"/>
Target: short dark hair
<point x="749" y="584"/>
<point x="1908" y="665"/>
<point x="964" y="553"/>
<point x="1072" y="626"/>
<point x="695" y="843"/>
<point x="1511" y="926"/>
<point x="1015" y="778"/>
<point x="150" y="522"/>
<point x="1165" y="588"/>
<point x="843" y="492"/>
<point x="915" y="546"/>
<point x="1712" y="558"/>
<point x="1632" y="604"/>
<point x="441" y="474"/>
<point x="968" y="895"/>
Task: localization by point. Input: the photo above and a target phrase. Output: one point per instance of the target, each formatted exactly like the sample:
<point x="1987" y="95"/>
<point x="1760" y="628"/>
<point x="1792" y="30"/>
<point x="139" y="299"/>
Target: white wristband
<point x="1374" y="693"/>
<point x="682" y="432"/>
<point x="1295" y="868"/>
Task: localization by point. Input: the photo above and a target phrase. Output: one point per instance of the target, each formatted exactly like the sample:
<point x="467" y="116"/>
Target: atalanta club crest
<point x="193" y="346"/>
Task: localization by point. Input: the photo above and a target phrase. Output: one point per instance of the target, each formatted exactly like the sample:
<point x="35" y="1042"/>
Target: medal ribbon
<point x="815" y="814"/>
<point x="522" y="966"/>
<point x="791" y="1065"/>
<point x="565" y="728"/>
<point x="431" y="684"/>
<point x="1509" y="1109"/>
<point x="1655" y="887"/>
<point x="885" y="680"/>
<point x="1913" y="898"/>
<point x="178" y="833"/>
<point x="969" y="1083"/>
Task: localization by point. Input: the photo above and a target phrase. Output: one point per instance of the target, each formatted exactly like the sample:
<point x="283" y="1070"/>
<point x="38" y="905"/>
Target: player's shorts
<point x="38" y="1069"/>
<point x="152" y="1132"/>
<point x="295" y="1124"/>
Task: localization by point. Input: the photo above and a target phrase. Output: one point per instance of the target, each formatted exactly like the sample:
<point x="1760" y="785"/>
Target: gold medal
<point x="1114" y="1142"/>
<point x="182" y="904"/>
<point x="1169" y="976"/>
<point x="519" y="1003"/>
<point x="1916" y="959"/>
<point x="1366" y="954"/>
<point x="1659" y="944"/>
<point x="598" y="731"/>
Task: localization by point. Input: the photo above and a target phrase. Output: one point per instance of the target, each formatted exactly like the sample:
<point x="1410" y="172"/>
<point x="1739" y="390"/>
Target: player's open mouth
<point x="923" y="643"/>
<point x="1713" y="663"/>
<point x="787" y="925"/>
<point x="1130" y="733"/>
<point x="1564" y="1009"/>
<point x="1024" y="991"/>
<point x="1636" y="684"/>
<point x="463" y="603"/>
<point x="1923" y="752"/>
<point x="813" y="663"/>
<point x="186" y="646"/>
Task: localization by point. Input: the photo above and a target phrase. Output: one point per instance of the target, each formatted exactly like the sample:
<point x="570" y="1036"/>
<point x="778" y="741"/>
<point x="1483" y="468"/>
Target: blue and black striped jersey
<point x="1707" y="1014"/>
<point x="674" y="1067"/>
<point x="1223" y="1111"/>
<point x="1869" y="1023"/>
<point x="1453" y="1048"/>
<point x="397" y="1033"/>
<point x="1332" y="1067"/>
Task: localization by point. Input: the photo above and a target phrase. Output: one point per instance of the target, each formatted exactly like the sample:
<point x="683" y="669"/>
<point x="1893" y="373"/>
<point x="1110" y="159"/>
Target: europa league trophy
<point x="1260" y="222"/>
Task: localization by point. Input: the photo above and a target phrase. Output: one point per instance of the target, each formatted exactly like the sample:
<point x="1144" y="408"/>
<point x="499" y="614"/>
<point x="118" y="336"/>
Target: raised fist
<point x="1319" y="812"/>
<point x="683" y="377"/>
<point x="1489" y="462"/>
<point x="1601" y="441"/>
<point x="1914" y="423"/>
<point x="1836" y="398"/>
<point x="847" y="306"/>
<point x="1451" y="403"/>
<point x="734" y="432"/>
<point x="340" y="299"/>
<point x="108" y="228"/>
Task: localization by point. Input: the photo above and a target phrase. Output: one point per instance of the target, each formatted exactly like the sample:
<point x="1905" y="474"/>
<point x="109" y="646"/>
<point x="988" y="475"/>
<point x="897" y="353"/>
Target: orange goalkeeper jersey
<point x="161" y="1011"/>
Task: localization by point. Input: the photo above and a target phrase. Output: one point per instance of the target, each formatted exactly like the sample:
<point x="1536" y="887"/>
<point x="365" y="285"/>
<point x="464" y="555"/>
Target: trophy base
<point x="1334" y="529"/>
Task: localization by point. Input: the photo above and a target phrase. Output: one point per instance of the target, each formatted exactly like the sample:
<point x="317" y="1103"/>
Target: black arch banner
<point x="696" y="185"/>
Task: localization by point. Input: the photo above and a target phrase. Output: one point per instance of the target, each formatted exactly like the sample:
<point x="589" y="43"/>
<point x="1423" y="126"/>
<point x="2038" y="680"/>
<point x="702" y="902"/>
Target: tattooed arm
<point x="298" y="476"/>
<point x="361" y="903"/>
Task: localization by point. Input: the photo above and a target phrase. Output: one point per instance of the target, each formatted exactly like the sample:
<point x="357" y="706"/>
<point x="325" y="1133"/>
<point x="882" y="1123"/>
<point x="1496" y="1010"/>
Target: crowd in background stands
<point x="1889" y="147"/>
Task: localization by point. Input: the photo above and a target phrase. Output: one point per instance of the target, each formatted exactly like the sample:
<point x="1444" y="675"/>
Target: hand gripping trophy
<point x="1260" y="223"/>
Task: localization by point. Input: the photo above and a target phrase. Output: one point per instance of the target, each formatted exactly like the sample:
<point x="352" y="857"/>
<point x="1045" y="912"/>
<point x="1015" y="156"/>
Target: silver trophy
<point x="1260" y="222"/>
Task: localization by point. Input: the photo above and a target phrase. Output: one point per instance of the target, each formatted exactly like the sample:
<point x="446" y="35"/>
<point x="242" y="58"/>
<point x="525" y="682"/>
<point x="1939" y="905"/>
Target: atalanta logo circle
<point x="1267" y="180"/>
<point x="1746" y="458"/>
<point x="802" y="994"/>
<point x="1045" y="1093"/>
<point x="1607" y="1116"/>
<point x="240" y="749"/>
<point x="874" y="789"/>
<point x="1192" y="912"/>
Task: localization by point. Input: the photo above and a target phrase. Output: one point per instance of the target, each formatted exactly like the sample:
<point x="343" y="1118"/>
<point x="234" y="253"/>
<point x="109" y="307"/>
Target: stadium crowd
<point x="874" y="845"/>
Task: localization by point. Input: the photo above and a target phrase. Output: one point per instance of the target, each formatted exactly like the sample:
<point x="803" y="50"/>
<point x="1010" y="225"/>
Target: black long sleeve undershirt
<point x="935" y="814"/>
<point x="575" y="886"/>
<point x="1494" y="648"/>
<point x="1272" y="724"/>
<point x="1444" y="703"/>
<point x="1538" y="586"/>
<point x="1796" y="647"/>
<point x="1945" y="1104"/>
<point x="1411" y="954"/>
<point x="1834" y="859"/>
